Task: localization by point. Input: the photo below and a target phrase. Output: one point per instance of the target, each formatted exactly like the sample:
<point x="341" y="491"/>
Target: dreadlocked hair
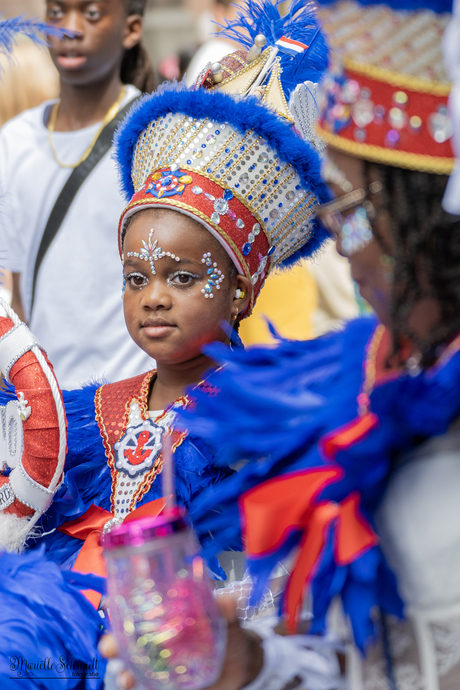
<point x="426" y="252"/>
<point x="136" y="66"/>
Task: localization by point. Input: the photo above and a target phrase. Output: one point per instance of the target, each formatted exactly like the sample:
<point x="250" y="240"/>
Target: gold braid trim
<point x="402" y="81"/>
<point x="378" y="154"/>
<point x="106" y="443"/>
<point x="238" y="196"/>
<point x="261" y="60"/>
<point x="149" y="478"/>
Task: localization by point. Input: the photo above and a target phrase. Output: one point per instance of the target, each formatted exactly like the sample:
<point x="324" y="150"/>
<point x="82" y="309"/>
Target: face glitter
<point x="151" y="252"/>
<point x="215" y="277"/>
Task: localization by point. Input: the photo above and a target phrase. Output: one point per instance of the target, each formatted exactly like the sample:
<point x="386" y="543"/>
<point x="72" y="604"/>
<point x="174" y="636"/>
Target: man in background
<point x="74" y="307"/>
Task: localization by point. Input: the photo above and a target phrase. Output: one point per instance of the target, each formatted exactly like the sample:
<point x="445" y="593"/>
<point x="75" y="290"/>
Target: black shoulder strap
<point x="70" y="189"/>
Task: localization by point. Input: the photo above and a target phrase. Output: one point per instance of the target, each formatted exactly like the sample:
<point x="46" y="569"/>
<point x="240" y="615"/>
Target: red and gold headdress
<point x="226" y="152"/>
<point x="386" y="94"/>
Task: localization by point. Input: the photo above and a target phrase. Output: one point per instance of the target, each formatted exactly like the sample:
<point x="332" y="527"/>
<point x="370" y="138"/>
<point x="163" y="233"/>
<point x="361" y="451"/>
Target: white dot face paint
<point x="214" y="275"/>
<point x="151" y="252"/>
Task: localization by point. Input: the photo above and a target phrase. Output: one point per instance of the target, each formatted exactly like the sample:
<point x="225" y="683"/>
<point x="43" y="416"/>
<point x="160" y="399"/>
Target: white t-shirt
<point x="77" y="314"/>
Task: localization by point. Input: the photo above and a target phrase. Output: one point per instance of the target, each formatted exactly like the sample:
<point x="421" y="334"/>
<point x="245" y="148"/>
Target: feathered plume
<point x="300" y="24"/>
<point x="37" y="31"/>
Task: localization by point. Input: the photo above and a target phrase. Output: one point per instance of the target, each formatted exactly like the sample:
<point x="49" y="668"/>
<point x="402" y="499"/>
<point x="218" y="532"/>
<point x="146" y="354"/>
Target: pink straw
<point x="168" y="483"/>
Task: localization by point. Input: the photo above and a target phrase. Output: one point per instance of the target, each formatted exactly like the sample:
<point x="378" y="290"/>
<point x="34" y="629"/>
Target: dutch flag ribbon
<point x="293" y="48"/>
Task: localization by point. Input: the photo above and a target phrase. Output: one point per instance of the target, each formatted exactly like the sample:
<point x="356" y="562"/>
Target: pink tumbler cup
<point x="170" y="631"/>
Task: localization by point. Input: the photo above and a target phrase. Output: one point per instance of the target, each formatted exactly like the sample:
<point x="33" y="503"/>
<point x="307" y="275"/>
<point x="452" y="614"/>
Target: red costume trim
<point x="89" y="528"/>
<point x="277" y="507"/>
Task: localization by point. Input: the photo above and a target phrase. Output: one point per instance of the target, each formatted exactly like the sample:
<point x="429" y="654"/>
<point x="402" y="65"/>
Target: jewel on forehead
<point x="215" y="277"/>
<point x="151" y="252"/>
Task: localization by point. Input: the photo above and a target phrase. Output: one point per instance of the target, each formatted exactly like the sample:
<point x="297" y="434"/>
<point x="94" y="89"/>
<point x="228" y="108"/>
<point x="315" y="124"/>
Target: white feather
<point x="14" y="532"/>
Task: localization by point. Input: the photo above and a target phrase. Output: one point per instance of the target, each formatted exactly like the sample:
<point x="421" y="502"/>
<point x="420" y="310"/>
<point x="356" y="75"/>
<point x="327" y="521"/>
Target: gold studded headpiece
<point x="226" y="153"/>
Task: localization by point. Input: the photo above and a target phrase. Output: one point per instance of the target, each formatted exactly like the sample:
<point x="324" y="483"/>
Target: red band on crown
<point x="225" y="216"/>
<point x="372" y="116"/>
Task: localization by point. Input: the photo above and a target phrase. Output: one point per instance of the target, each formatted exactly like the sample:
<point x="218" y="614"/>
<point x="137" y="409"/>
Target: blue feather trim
<point x="308" y="390"/>
<point x="244" y="114"/>
<point x="44" y="616"/>
<point x="88" y="480"/>
<point x="299" y="24"/>
<point x="34" y="29"/>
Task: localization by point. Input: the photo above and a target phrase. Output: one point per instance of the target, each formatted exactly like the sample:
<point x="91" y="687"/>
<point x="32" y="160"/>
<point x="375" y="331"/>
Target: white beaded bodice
<point x="127" y="484"/>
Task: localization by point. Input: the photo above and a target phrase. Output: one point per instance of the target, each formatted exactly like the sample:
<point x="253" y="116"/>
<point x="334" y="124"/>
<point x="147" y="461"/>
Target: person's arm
<point x="16" y="301"/>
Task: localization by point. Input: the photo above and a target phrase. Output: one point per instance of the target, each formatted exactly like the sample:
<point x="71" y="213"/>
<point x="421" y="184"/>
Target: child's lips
<point x="157" y="328"/>
<point x="71" y="60"/>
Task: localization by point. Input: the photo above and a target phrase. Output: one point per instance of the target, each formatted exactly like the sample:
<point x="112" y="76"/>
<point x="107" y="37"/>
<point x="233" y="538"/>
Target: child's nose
<point x="157" y="295"/>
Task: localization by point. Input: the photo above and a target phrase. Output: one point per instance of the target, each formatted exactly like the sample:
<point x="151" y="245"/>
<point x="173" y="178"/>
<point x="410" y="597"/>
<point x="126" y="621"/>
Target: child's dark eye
<point x="136" y="280"/>
<point x="182" y="279"/>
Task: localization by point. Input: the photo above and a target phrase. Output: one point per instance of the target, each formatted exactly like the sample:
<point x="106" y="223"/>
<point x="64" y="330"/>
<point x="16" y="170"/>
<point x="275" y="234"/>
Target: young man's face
<point x="97" y="50"/>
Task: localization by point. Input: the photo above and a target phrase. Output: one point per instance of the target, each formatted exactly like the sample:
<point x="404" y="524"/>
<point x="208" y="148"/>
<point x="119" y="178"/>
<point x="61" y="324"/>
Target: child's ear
<point x="133" y="31"/>
<point x="242" y="295"/>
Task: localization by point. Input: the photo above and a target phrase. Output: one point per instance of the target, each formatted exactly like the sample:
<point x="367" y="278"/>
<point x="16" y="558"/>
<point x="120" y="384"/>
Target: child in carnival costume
<point x="350" y="441"/>
<point x="48" y="629"/>
<point x="221" y="189"/>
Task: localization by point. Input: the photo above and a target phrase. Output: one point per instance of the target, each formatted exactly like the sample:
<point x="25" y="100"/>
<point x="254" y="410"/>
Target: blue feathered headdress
<point x="38" y="32"/>
<point x="244" y="116"/>
<point x="300" y="24"/>
<point x="226" y="152"/>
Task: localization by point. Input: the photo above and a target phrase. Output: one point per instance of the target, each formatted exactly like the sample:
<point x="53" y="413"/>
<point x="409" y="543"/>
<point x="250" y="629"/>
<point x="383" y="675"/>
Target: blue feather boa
<point x="44" y="616"/>
<point x="88" y="480"/>
<point x="274" y="406"/>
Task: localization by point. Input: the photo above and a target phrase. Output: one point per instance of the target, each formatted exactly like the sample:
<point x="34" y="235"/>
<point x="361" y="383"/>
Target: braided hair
<point x="136" y="67"/>
<point x="427" y="254"/>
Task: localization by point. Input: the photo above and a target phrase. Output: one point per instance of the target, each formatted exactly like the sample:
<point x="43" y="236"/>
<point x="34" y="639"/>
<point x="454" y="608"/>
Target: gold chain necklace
<point x="110" y="114"/>
<point x="370" y="370"/>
